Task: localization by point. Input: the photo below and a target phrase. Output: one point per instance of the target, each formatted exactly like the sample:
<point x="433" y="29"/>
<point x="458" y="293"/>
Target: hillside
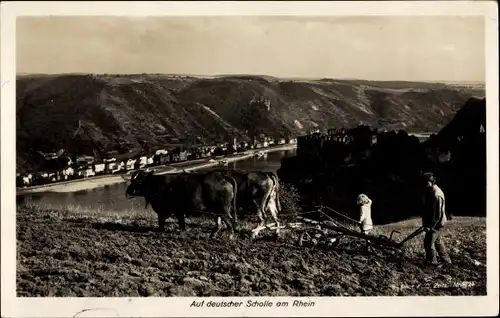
<point x="467" y="121"/>
<point x="157" y="108"/>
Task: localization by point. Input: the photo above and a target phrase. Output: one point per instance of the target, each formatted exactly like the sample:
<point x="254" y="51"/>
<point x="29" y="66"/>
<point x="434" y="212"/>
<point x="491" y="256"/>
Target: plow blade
<point x="382" y="240"/>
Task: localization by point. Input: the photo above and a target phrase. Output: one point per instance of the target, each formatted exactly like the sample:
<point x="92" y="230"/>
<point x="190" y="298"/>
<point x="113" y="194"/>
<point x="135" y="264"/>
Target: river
<point x="112" y="196"/>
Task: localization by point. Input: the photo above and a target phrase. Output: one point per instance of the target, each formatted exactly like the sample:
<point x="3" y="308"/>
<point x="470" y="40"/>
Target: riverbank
<point x="101" y="181"/>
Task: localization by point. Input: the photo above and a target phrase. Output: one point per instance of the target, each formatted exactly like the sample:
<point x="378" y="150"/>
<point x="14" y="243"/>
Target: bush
<point x="289" y="198"/>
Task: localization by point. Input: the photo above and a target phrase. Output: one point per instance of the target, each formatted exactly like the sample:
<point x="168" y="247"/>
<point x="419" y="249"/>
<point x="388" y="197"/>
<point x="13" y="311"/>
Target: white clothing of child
<point x="365" y="213"/>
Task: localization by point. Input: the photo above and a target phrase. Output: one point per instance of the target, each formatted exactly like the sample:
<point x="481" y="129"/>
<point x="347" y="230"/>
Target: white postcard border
<point x="179" y="306"/>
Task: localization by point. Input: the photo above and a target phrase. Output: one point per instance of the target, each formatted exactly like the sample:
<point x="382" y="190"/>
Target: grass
<point x="96" y="213"/>
<point x="132" y="217"/>
<point x="95" y="252"/>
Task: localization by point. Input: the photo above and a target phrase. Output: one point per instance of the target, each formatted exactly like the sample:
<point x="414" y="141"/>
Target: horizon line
<point x="254" y="75"/>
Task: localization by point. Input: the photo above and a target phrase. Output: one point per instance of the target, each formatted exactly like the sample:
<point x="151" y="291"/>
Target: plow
<point x="330" y="233"/>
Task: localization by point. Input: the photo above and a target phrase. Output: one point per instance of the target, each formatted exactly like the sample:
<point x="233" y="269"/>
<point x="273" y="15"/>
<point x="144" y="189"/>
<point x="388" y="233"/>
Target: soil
<point x="83" y="256"/>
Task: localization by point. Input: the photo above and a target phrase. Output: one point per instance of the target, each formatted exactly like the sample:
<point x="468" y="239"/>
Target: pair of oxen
<point x="220" y="193"/>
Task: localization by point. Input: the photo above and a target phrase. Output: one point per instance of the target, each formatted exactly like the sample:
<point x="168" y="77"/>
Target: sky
<point x="414" y="48"/>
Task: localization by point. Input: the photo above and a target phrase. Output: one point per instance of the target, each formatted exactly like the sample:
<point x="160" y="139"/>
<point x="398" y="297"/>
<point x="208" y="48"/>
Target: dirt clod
<point x="58" y="257"/>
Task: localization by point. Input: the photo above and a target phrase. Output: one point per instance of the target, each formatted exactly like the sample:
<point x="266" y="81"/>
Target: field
<point x="71" y="251"/>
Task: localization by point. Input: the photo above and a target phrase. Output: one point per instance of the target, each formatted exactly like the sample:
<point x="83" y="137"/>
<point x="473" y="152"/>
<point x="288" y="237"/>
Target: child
<point x="365" y="213"/>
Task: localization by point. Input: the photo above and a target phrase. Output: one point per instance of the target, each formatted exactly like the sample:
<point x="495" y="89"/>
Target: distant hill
<point x="158" y="108"/>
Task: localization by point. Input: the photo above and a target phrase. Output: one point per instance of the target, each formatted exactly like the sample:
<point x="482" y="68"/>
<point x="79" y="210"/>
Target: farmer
<point x="365" y="213"/>
<point x="433" y="220"/>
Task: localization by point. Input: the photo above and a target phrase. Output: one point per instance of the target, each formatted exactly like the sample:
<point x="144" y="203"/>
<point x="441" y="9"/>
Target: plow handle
<point x="412" y="235"/>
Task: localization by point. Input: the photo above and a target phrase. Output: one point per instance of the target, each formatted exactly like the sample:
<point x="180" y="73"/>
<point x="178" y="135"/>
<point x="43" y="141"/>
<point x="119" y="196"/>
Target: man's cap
<point x="429" y="177"/>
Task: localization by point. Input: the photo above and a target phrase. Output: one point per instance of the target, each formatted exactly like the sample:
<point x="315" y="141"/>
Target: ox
<point x="186" y="195"/>
<point x="256" y="190"/>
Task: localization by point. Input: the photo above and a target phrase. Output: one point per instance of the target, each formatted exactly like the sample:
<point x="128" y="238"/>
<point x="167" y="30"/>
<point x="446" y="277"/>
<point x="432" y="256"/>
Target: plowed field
<point x="95" y="253"/>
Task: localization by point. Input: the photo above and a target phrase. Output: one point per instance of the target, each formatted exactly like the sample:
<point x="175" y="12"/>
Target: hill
<point x="467" y="122"/>
<point x="128" y="109"/>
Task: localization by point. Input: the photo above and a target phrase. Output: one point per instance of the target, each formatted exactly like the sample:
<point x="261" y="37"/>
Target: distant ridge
<point x="268" y="77"/>
<point x="156" y="108"/>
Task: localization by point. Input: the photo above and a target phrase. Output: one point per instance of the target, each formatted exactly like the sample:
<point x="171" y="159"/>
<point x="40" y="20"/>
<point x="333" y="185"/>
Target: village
<point x="86" y="166"/>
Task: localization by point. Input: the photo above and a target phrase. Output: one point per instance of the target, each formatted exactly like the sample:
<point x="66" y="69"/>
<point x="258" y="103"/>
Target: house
<point x="86" y="172"/>
<point x="242" y="146"/>
<point x="119" y="167"/>
<point x="100" y="168"/>
<point x="84" y="160"/>
<point x="183" y="155"/>
<point x="143" y="161"/>
<point x="89" y="172"/>
<point x="68" y="173"/>
<point x="206" y="152"/>
<point x="110" y="164"/>
<point x="129" y="165"/>
<point x="54" y="176"/>
<point x="160" y="159"/>
<point x="27" y="179"/>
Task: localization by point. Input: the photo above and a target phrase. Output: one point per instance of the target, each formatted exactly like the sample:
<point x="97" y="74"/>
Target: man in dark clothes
<point x="433" y="220"/>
